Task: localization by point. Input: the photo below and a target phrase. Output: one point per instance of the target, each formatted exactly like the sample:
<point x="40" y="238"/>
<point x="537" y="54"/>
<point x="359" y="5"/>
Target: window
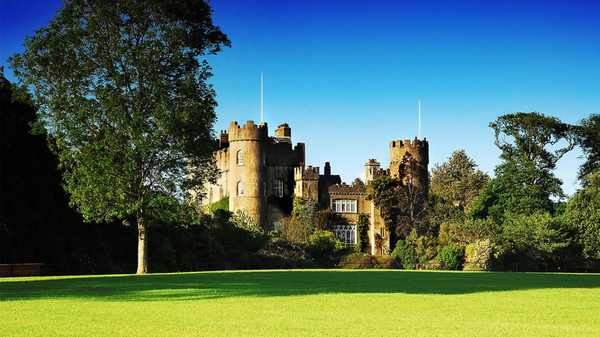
<point x="344" y="205"/>
<point x="278" y="188"/>
<point x="240" y="188"/>
<point x="346" y="233"/>
<point x="240" y="157"/>
<point x="382" y="230"/>
<point x="210" y="196"/>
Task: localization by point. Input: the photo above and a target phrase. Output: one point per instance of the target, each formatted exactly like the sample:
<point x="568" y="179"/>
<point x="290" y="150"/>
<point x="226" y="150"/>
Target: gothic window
<point x="210" y="196"/>
<point x="240" y="157"/>
<point x="344" y="205"/>
<point x="278" y="188"/>
<point x="240" y="188"/>
<point x="346" y="233"/>
<point x="382" y="232"/>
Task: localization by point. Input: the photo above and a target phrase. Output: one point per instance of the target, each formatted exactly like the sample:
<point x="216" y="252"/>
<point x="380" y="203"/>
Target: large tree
<point x="123" y="96"/>
<point x="531" y="144"/>
<point x="527" y="137"/>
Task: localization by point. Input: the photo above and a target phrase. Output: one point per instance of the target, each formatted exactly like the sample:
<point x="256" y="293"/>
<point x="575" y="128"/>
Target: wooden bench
<point x="21" y="269"/>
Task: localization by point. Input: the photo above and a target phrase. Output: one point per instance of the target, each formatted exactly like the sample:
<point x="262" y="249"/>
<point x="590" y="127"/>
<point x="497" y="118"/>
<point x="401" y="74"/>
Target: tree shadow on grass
<point x="210" y="285"/>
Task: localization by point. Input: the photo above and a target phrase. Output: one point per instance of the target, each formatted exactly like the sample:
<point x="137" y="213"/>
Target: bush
<point x="479" y="256"/>
<point x="433" y="265"/>
<point x="358" y="261"/>
<point x="405" y="255"/>
<point x="323" y="246"/>
<point x="451" y="257"/>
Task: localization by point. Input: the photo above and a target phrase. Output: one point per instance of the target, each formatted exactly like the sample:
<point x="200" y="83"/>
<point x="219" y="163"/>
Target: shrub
<point x="358" y="261"/>
<point x="433" y="265"/>
<point x="323" y="246"/>
<point x="479" y="256"/>
<point x="451" y="257"/>
<point x="404" y="255"/>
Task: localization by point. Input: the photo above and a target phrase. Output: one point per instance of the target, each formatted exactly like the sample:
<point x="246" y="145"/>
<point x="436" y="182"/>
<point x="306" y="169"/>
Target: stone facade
<point x="258" y="170"/>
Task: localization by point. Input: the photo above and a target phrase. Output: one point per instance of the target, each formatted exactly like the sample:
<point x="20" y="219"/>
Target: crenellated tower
<point x="247" y="170"/>
<point x="406" y="152"/>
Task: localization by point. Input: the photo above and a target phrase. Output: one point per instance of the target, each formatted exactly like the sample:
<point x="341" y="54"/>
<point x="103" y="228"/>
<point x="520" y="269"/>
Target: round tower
<point x="403" y="152"/>
<point x="247" y="170"/>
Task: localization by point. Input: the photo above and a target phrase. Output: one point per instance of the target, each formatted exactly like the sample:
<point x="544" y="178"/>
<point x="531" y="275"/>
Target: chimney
<point x="327" y="169"/>
<point x="283" y="130"/>
<point x="223" y="138"/>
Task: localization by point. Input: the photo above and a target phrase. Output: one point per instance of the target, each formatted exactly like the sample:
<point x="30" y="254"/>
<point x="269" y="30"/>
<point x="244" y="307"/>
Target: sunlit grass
<point x="304" y="302"/>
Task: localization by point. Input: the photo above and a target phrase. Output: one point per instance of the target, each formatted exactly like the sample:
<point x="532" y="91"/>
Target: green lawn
<point x="304" y="302"/>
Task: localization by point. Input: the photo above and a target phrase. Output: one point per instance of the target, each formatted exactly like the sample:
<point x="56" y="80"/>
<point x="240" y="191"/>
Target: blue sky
<point x="347" y="75"/>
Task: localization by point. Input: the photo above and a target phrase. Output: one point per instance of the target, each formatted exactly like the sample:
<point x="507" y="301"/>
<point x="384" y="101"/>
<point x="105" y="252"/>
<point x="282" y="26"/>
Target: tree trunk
<point x="142" y="267"/>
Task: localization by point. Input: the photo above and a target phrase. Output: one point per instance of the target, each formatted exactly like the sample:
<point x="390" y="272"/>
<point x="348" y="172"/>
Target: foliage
<point x="241" y="220"/>
<point x="278" y="252"/>
<point x="519" y="187"/>
<point x="121" y="92"/>
<point x="479" y="256"/>
<point x="433" y="265"/>
<point x="451" y="257"/>
<point x="412" y="207"/>
<point x="525" y="183"/>
<point x="294" y="230"/>
<point x="382" y="191"/>
<point x="222" y="204"/>
<point x="529" y="136"/>
<point x="36" y="223"/>
<point x="588" y="139"/>
<point x="325" y="220"/>
<point x="473" y="230"/>
<point x="457" y="182"/>
<point x="538" y="235"/>
<point x="323" y="246"/>
<point x="304" y="210"/>
<point x="358" y="260"/>
<point x="358" y="182"/>
<point x="583" y="217"/>
<point x="362" y="233"/>
<point x="404" y="254"/>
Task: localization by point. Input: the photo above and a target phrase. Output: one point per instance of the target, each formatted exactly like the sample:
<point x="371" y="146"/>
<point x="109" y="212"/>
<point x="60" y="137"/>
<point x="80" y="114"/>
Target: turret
<point x="247" y="170"/>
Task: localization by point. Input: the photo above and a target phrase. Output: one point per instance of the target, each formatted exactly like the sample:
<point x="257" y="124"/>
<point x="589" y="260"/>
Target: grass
<point x="304" y="302"/>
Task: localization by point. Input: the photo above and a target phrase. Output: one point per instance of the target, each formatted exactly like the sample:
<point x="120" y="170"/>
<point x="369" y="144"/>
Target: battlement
<point x="345" y="189"/>
<point x="248" y="131"/>
<point x="310" y="173"/>
<point x="407" y="143"/>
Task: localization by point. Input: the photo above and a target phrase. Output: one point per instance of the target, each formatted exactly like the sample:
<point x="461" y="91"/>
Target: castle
<point x="258" y="169"/>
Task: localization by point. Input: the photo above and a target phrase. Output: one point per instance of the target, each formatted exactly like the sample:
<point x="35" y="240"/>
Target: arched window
<point x="240" y="188"/>
<point x="240" y="157"/>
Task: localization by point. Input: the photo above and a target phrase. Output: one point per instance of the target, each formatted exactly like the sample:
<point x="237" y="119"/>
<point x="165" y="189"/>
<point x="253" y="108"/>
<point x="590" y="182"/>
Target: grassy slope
<point x="325" y="302"/>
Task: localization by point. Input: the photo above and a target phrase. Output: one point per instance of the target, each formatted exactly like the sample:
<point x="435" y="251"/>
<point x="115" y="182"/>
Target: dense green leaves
<point x="526" y="136"/>
<point x="457" y="181"/>
<point x="121" y="91"/>
<point x="588" y="139"/>
<point x="583" y="216"/>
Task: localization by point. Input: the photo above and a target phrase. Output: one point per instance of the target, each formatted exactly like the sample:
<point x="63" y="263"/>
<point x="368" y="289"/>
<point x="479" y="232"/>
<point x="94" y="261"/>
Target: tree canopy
<point x="527" y="136"/>
<point x="588" y="139"/>
<point x="457" y="180"/>
<point x="123" y="96"/>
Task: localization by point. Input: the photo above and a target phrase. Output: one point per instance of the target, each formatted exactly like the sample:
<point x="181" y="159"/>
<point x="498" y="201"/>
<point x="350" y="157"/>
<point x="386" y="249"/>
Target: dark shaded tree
<point x="123" y="95"/>
<point x="412" y="198"/>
